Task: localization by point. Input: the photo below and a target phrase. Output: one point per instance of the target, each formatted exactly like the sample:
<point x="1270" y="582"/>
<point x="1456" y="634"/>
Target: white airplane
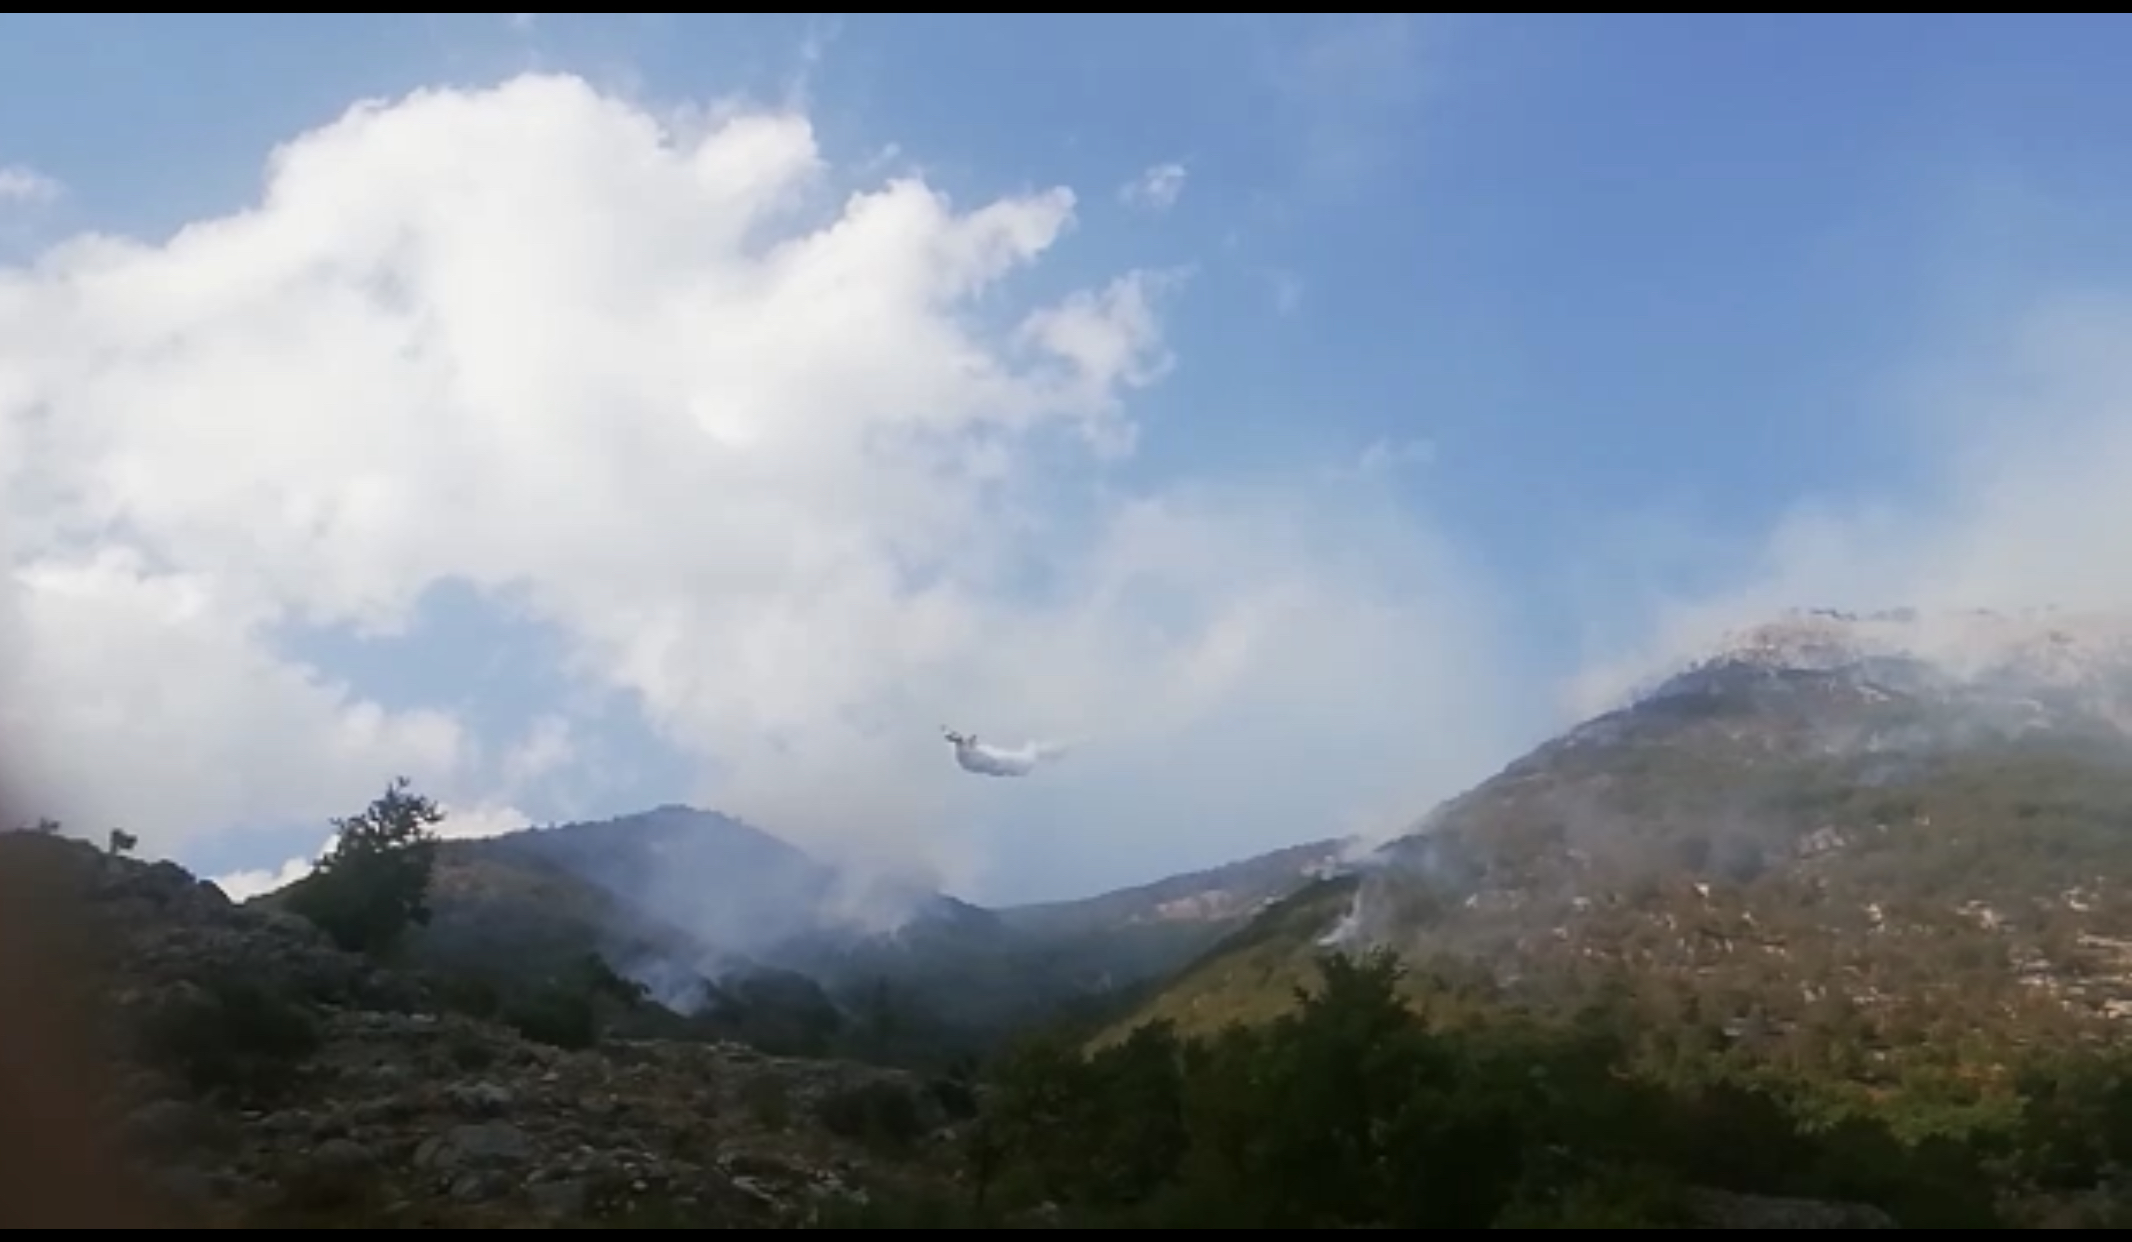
<point x="975" y="756"/>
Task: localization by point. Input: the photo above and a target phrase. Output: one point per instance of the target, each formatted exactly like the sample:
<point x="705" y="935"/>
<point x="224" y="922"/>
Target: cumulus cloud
<point x="798" y="473"/>
<point x="144" y="697"/>
<point x="2023" y="436"/>
<point x="1156" y="189"/>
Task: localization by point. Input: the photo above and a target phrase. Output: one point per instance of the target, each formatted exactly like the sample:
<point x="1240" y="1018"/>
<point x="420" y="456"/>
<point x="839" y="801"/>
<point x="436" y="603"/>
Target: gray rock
<point x="480" y="1186"/>
<point x="484" y="1099"/>
<point x="341" y="1156"/>
<point x="565" y="1198"/>
<point x="488" y="1143"/>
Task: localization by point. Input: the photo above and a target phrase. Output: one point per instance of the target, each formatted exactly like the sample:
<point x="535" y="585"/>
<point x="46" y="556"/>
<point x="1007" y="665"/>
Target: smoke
<point x="669" y="981"/>
<point x="1348" y="930"/>
<point x="2015" y="425"/>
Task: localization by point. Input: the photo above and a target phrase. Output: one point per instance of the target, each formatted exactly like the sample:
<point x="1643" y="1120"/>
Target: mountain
<point x="1877" y="849"/>
<point x="986" y="973"/>
<point x="1198" y="899"/>
<point x="713" y="915"/>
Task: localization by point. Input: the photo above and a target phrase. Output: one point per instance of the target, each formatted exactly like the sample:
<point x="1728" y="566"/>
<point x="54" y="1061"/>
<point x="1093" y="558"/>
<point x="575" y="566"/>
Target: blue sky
<point x="1692" y="314"/>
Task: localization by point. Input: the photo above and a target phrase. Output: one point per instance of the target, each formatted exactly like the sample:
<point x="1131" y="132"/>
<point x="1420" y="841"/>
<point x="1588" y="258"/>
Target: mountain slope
<point x="731" y="887"/>
<point x="1212" y="897"/>
<point x="984" y="973"/>
<point x="1818" y="846"/>
<point x="709" y="912"/>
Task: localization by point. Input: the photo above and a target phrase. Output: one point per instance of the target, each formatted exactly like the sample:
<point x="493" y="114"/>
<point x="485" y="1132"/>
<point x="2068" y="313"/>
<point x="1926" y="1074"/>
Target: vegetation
<point x="1718" y="948"/>
<point x="1354" y="1111"/>
<point x="231" y="1036"/>
<point x="373" y="885"/>
<point x="1875" y="927"/>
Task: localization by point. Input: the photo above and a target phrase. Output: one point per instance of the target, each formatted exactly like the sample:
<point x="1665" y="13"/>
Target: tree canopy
<point x="373" y="884"/>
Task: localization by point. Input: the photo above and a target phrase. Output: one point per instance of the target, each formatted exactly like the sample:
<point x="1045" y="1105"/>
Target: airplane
<point x="974" y="756"/>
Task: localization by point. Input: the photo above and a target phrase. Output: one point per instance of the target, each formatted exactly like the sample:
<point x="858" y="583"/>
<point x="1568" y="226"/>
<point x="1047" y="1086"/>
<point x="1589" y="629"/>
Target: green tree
<point x="374" y="883"/>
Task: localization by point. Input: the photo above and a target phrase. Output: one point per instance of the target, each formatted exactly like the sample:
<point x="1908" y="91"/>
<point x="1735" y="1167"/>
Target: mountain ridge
<point x="1815" y="804"/>
<point x="703" y="910"/>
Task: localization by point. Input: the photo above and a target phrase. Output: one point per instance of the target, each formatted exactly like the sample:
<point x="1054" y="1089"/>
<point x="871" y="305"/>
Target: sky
<point x="1302" y="414"/>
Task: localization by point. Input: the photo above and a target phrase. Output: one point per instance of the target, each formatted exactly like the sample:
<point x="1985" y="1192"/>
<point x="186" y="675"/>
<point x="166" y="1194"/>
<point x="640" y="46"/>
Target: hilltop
<point x="1884" y="850"/>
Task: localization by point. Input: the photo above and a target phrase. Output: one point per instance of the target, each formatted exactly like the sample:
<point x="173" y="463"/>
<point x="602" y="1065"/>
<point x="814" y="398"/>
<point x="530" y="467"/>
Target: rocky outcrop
<point x="418" y="1120"/>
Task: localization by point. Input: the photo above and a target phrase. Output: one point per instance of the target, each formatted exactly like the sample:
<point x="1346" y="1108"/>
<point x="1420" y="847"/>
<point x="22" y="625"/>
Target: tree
<point x="374" y="883"/>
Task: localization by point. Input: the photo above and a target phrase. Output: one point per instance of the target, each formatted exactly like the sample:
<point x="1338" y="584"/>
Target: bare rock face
<point x="259" y="1075"/>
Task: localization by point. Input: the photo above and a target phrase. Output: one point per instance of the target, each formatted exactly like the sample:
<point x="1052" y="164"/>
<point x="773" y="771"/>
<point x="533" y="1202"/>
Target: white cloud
<point x="1157" y="189"/>
<point x="143" y="698"/>
<point x="22" y="184"/>
<point x="459" y="824"/>
<point x="480" y="821"/>
<point x="799" y="475"/>
<point x="245" y="885"/>
<point x="548" y="747"/>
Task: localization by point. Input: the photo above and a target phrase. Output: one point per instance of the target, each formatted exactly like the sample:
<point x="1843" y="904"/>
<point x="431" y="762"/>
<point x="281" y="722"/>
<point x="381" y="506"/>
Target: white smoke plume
<point x="1349" y="928"/>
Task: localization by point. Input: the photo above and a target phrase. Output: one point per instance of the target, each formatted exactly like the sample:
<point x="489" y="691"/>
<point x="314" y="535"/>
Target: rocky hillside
<point x="1881" y="848"/>
<point x="255" y="1075"/>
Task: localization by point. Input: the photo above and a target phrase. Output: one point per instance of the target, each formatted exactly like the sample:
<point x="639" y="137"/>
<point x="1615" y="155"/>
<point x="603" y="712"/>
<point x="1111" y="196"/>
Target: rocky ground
<point x="262" y="1077"/>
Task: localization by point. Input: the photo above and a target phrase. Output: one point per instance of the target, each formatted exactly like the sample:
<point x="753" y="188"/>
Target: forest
<point x="1354" y="1110"/>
